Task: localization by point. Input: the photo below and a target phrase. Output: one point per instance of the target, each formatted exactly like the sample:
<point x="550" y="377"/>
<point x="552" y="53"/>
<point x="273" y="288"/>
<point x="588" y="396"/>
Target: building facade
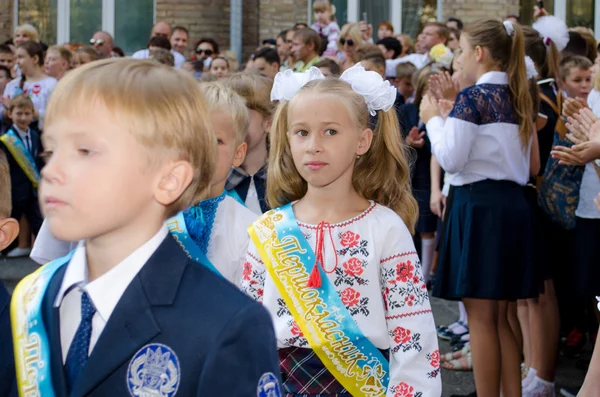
<point x="130" y="21"/>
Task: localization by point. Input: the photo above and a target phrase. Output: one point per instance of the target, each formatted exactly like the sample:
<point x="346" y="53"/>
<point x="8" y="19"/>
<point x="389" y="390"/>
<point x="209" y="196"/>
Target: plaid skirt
<point x="304" y="375"/>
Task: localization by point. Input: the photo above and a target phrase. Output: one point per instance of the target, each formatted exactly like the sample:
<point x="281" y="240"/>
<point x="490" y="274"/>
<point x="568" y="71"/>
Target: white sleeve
<point x="179" y="59"/>
<point x="414" y="352"/>
<point x="254" y="272"/>
<point x="451" y="142"/>
<point x="141" y="54"/>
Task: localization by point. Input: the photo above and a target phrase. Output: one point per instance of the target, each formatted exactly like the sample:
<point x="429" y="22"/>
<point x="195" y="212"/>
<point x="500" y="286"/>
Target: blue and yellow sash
<point x="179" y="230"/>
<point x="322" y="317"/>
<point x="23" y="157"/>
<point x="32" y="348"/>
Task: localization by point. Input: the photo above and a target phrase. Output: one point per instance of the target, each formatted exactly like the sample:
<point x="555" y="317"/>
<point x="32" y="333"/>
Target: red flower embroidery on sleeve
<point x="296" y="330"/>
<point x="247" y="270"/>
<point x="260" y="292"/>
<point x="404" y="271"/>
<point x="354" y="267"/>
<point x="434" y="359"/>
<point x="401" y="335"/>
<point x="349" y="239"/>
<point x="404" y="390"/>
<point x="350" y="297"/>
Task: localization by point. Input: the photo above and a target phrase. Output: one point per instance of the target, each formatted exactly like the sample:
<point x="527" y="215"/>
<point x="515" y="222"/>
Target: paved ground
<point x="11" y="271"/>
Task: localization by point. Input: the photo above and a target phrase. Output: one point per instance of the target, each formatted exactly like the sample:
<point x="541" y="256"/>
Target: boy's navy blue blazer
<point x="224" y="341"/>
<point x="22" y="189"/>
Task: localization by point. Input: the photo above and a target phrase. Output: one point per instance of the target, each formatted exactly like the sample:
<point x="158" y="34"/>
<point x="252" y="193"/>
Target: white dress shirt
<point x="145" y="54"/>
<point x="104" y="292"/>
<point x="419" y="60"/>
<point x="25" y="137"/>
<point x="474" y="151"/>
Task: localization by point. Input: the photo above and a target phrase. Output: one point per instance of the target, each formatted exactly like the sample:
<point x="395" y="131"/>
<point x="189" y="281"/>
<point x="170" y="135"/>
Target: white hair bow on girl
<point x="530" y="68"/>
<point x="378" y="93"/>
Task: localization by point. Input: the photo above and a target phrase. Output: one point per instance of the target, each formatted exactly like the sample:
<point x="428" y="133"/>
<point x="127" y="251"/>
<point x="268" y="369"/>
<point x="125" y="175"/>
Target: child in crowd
<point x="22" y="146"/>
<point x="195" y="68"/>
<point x="325" y="26"/>
<point x="9" y="229"/>
<point x="384" y="30"/>
<point x="404" y="81"/>
<point x="7" y="58"/>
<point x="329" y="67"/>
<point x="247" y="183"/>
<point x="58" y="61"/>
<point x="85" y="55"/>
<point x="344" y="226"/>
<point x="576" y="76"/>
<point x="33" y="81"/>
<point x="218" y="224"/>
<point x="114" y="321"/>
<point x="219" y="67"/>
<point x="488" y="210"/>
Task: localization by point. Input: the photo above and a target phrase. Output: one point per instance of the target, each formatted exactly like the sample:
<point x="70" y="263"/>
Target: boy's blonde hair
<point x="19" y="101"/>
<point x="382" y="174"/>
<point x="5" y="194"/>
<point x="405" y="69"/>
<point x="571" y="62"/>
<point x="221" y="98"/>
<point x="63" y="51"/>
<point x="255" y="89"/>
<point x="29" y="31"/>
<point x="163" y="108"/>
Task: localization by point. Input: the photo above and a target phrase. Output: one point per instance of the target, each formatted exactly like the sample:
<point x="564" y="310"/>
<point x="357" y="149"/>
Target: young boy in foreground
<point x="129" y="144"/>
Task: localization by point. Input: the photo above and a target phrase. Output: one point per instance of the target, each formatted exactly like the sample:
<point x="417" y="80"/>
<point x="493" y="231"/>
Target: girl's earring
<point x="357" y="156"/>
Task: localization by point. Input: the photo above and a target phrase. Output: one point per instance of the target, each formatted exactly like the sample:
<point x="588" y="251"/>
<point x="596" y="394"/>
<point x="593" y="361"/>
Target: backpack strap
<point x="561" y="127"/>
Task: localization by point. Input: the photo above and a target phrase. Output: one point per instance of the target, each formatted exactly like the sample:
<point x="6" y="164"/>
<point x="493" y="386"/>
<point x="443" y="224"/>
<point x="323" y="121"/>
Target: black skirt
<point x="487" y="250"/>
<point x="584" y="269"/>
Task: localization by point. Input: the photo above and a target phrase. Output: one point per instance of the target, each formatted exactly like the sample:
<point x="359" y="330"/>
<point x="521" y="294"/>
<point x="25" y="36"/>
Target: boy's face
<point x="323" y="16"/>
<point x="7" y="59"/>
<point x="229" y="152"/>
<point x="263" y="66"/>
<point x="578" y="83"/>
<point x="4" y="78"/>
<point x="98" y="180"/>
<point x="257" y="130"/>
<point x="405" y="87"/>
<point x="22" y="116"/>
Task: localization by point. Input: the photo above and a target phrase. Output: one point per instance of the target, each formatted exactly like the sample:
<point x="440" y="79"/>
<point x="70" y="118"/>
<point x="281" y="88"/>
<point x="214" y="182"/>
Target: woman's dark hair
<point x="34" y="49"/>
<point x="210" y="41"/>
<point x="119" y="51"/>
<point x="330" y="64"/>
<point x="160" y="42"/>
<point x="391" y="43"/>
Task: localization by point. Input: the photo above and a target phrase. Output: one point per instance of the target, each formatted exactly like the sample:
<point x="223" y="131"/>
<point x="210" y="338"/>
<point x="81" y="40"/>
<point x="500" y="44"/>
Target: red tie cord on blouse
<point x="314" y="281"/>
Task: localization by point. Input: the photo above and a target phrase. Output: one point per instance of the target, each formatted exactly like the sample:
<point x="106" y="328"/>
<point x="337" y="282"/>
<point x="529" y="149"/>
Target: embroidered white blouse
<point x="372" y="263"/>
<point x="480" y="139"/>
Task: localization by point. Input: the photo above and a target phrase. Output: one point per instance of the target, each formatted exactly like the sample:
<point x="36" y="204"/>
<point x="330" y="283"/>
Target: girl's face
<point x="27" y="64"/>
<point x="323" y="16"/>
<point x="54" y="65"/>
<point x="20" y="37"/>
<point x="578" y="83"/>
<point x="453" y="43"/>
<point x="467" y="60"/>
<point x="325" y="139"/>
<point x="219" y="68"/>
<point x="384" y="32"/>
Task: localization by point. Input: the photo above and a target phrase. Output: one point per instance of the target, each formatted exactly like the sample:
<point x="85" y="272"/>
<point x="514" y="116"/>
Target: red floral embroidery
<point x="350" y="239"/>
<point x="350" y="297"/>
<point x="404" y="271"/>
<point x="416" y="279"/>
<point x="404" y="390"/>
<point x="247" y="270"/>
<point x="410" y="300"/>
<point x="260" y="292"/>
<point x="401" y="335"/>
<point x="434" y="359"/>
<point x="353" y="267"/>
<point x="296" y="330"/>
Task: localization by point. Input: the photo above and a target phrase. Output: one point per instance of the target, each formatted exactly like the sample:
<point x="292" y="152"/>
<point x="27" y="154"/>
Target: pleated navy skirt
<point x="584" y="268"/>
<point x="487" y="250"/>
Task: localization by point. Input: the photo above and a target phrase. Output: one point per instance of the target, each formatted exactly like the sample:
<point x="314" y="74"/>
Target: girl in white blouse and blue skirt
<point x="486" y="255"/>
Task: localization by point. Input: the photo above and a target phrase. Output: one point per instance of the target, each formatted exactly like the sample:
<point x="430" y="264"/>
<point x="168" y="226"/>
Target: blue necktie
<point x="78" y="352"/>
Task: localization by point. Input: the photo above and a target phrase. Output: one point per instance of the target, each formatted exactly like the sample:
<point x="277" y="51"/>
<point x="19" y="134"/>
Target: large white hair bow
<point x="287" y="83"/>
<point x="553" y="29"/>
<point x="379" y="94"/>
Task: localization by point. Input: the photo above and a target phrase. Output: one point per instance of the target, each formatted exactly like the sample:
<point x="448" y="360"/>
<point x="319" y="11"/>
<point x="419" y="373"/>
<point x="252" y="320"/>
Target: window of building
<point x="580" y="13"/>
<point x="130" y="22"/>
<point x="375" y="12"/>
